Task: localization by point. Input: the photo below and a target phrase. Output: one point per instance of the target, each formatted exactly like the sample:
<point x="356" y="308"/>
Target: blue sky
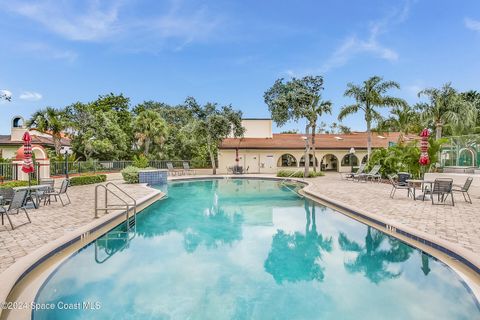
<point x="53" y="53"/>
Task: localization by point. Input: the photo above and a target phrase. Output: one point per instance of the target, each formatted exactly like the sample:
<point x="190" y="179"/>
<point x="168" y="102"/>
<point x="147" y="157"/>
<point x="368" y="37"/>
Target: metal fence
<point x="9" y="171"/>
<point x="461" y="151"/>
<point x="58" y="168"/>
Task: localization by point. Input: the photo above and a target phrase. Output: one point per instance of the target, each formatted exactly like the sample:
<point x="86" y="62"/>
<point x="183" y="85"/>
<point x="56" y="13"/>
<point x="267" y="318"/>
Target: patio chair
<point x="402" y="178"/>
<point x="442" y="187"/>
<point x="351" y="175"/>
<point x="17" y="203"/>
<point x="6" y="195"/>
<point x="464" y="189"/>
<point x="58" y="193"/>
<point x="397" y="184"/>
<point x="172" y="171"/>
<point x="373" y="174"/>
<point x="187" y="169"/>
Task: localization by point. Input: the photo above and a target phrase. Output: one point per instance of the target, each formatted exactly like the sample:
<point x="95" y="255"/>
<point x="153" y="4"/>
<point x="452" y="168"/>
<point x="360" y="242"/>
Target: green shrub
<point x="14" y="184"/>
<point x="90" y="179"/>
<point x="140" y="161"/>
<point x="130" y="174"/>
<point x="298" y="174"/>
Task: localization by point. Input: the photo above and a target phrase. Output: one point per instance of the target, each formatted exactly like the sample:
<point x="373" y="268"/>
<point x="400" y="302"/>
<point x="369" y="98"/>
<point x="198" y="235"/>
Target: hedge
<point x="14" y="184"/>
<point x="298" y="174"/>
<point x="90" y="179"/>
<point x="130" y="174"/>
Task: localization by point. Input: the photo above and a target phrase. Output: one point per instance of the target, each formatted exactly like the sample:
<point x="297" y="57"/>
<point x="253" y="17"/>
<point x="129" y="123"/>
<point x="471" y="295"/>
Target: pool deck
<point x="54" y="221"/>
<point x="458" y="225"/>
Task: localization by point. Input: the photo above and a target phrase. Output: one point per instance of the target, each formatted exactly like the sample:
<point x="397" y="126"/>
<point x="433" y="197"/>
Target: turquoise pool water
<point x="251" y="249"/>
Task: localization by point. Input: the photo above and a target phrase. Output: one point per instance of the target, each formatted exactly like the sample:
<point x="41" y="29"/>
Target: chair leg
<point x="26" y="213"/>
<point x="69" y="201"/>
<point x="9" y="220"/>
<point x="392" y="192"/>
<point x="61" y="200"/>
<point x="453" y="201"/>
<point x="469" y="199"/>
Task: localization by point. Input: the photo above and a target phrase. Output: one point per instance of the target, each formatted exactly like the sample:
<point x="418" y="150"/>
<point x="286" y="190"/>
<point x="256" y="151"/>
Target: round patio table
<point x="415" y="183"/>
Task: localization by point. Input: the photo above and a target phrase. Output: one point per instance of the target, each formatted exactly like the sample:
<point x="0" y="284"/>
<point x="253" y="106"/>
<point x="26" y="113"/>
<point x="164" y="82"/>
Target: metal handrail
<point x="125" y="194"/>
<point x="106" y="208"/>
<point x="288" y="177"/>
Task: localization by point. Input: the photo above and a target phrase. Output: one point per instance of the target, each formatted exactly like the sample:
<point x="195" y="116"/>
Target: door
<point x="252" y="163"/>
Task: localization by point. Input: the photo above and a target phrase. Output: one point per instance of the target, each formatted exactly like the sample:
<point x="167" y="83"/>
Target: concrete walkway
<point x="53" y="221"/>
<point x="459" y="224"/>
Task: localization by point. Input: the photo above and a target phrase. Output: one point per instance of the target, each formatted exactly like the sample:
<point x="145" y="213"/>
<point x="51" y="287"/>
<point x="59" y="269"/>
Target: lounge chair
<point x="373" y="174"/>
<point x="187" y="169"/>
<point x="351" y="175"/>
<point x="442" y="187"/>
<point x="397" y="184"/>
<point x="464" y="189"/>
<point x="58" y="193"/>
<point x="172" y="171"/>
<point x="17" y="203"/>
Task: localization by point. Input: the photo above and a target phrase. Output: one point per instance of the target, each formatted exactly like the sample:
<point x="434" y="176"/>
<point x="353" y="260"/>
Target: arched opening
<point x="346" y="160"/>
<point x="466" y="157"/>
<point x="302" y="161"/>
<point x="17" y="122"/>
<point x="329" y="163"/>
<point x="287" y="160"/>
<point x="365" y="159"/>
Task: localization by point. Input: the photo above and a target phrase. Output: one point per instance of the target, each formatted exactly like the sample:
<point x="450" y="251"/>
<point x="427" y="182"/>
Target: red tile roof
<point x="357" y="140"/>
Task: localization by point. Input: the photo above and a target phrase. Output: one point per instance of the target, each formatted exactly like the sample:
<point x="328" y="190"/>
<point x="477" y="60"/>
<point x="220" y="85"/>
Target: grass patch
<point x="14" y="184"/>
<point x="298" y="174"/>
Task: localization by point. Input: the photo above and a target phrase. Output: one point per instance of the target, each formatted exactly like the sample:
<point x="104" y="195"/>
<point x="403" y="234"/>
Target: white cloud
<point x="118" y="21"/>
<point x="45" y="51"/>
<point x="472" y="24"/>
<point x="30" y="96"/>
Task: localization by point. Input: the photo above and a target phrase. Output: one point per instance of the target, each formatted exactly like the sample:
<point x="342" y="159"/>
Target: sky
<point x="54" y="53"/>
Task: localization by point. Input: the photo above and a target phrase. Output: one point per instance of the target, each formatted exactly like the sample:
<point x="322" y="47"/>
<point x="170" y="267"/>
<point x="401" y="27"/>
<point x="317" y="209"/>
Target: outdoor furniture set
<point x="14" y="200"/>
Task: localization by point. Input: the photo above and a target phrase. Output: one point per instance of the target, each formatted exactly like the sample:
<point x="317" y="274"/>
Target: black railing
<point x="9" y="171"/>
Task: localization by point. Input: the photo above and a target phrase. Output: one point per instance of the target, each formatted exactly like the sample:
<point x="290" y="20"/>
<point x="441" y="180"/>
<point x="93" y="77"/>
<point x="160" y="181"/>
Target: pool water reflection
<point x="252" y="249"/>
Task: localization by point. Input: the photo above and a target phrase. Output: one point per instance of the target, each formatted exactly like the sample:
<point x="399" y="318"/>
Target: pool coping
<point x="14" y="274"/>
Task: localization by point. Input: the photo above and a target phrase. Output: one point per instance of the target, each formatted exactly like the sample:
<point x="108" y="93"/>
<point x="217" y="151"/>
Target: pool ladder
<point x="111" y="189"/>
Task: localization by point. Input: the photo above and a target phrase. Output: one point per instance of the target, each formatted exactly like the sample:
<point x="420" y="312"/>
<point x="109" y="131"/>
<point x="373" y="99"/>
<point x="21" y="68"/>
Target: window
<point x="302" y="161"/>
<point x="287" y="160"/>
<point x="346" y="160"/>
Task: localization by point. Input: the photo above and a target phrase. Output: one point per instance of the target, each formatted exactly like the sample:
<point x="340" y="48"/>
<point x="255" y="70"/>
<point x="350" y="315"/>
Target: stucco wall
<point x="257" y="128"/>
<point x="265" y="161"/>
<point x="8" y="152"/>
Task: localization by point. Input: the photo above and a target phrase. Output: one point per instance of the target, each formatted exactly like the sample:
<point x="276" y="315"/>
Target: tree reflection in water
<point x="373" y="259"/>
<point x="296" y="257"/>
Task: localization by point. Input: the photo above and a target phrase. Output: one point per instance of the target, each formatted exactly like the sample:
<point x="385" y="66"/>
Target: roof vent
<point x="381" y="137"/>
<point x="338" y="138"/>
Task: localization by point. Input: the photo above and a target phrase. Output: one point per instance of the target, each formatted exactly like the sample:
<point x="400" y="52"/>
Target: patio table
<point x="415" y="183"/>
<point x="36" y="188"/>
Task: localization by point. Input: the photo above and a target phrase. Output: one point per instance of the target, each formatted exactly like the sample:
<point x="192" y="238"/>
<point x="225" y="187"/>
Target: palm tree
<point x="51" y="121"/>
<point x="402" y="119"/>
<point x="150" y="130"/>
<point x="368" y="96"/>
<point x="315" y="110"/>
<point x="446" y="106"/>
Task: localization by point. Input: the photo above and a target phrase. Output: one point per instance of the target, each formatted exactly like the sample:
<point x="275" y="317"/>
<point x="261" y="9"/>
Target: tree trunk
<point x="147" y="147"/>
<point x="307" y="153"/>
<point x="369" y="140"/>
<point x="57" y="144"/>
<point x="314" y="127"/>
<point x="212" y="160"/>
<point x="438" y="130"/>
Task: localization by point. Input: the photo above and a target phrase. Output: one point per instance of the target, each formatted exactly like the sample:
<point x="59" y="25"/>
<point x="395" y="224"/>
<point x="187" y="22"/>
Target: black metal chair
<point x="442" y="187"/>
<point x="402" y="178"/>
<point x="397" y="185"/>
<point x="17" y="203"/>
<point x="6" y="195"/>
<point x="62" y="191"/>
<point x="464" y="189"/>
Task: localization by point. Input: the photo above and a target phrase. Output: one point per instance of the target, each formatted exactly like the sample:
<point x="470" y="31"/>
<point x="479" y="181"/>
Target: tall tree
<point x="317" y="109"/>
<point x="369" y="96"/>
<point x="402" y="119"/>
<point x="51" y="121"/>
<point x="297" y="99"/>
<point x="446" y="106"/>
<point x="215" y="124"/>
<point x="150" y="130"/>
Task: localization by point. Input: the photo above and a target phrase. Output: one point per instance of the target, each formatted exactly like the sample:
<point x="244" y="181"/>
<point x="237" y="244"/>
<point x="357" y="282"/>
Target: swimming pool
<point x="251" y="249"/>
